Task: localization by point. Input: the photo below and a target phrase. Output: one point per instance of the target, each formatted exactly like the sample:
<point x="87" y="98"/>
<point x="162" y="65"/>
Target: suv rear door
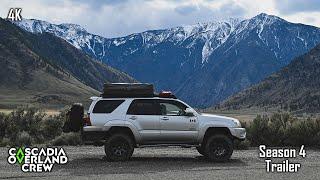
<point x="144" y="114"/>
<point x="176" y="127"/>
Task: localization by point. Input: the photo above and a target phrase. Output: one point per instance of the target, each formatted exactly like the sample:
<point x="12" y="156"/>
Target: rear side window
<point x="106" y="106"/>
<point x="144" y="107"/>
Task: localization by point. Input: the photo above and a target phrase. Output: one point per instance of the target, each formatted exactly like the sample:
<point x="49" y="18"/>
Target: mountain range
<point x="296" y="87"/>
<point x="46" y="70"/>
<point x="202" y="64"/>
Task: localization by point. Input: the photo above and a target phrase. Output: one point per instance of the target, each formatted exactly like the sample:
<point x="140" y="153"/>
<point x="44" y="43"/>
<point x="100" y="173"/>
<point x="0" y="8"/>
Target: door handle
<point x="165" y="118"/>
<point x="133" y="117"/>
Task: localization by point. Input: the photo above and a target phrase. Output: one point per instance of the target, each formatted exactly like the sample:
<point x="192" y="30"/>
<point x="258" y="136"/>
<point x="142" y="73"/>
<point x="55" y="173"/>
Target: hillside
<point x="45" y="70"/>
<point x="296" y="87"/>
<point x="202" y="63"/>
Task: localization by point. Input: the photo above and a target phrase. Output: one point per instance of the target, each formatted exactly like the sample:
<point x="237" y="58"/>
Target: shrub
<point x="304" y="132"/>
<point x="257" y="132"/>
<point x="23" y="139"/>
<point x="67" y="139"/>
<point x="26" y="119"/>
<point x="3" y="119"/>
<point x="282" y="129"/>
<point x="4" y="142"/>
<point x="30" y="126"/>
<point x="242" y="145"/>
<point x="51" y="127"/>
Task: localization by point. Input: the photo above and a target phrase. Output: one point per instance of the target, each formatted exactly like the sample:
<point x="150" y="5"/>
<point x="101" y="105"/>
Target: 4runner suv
<point x="123" y="123"/>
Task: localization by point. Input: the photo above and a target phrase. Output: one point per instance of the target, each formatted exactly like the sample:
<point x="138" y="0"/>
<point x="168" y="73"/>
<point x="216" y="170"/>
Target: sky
<point x="114" y="18"/>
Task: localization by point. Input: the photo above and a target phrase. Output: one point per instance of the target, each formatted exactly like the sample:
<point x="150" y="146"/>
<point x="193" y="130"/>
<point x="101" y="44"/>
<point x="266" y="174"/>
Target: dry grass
<point x="244" y="115"/>
<point x="47" y="111"/>
<point x="247" y="115"/>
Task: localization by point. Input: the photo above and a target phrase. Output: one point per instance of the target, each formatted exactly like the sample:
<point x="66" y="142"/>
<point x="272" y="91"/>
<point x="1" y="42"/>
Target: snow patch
<point x="206" y="52"/>
<point x="303" y="41"/>
<point x="117" y="42"/>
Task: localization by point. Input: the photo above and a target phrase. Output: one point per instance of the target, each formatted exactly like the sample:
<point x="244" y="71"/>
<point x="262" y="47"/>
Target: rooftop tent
<point x="120" y="90"/>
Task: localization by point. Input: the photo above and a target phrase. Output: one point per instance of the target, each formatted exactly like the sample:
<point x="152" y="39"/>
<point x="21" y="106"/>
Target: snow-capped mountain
<point x="202" y="63"/>
<point x="213" y="34"/>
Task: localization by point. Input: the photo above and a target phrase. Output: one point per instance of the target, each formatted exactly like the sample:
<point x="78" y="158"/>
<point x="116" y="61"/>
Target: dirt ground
<point x="88" y="162"/>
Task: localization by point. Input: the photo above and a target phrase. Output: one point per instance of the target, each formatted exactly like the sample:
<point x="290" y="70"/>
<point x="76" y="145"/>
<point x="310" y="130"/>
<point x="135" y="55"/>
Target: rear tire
<point x="219" y="148"/>
<point x="119" y="147"/>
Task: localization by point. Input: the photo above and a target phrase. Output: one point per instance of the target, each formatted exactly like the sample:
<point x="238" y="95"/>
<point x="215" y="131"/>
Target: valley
<point x="294" y="88"/>
<point x="202" y="64"/>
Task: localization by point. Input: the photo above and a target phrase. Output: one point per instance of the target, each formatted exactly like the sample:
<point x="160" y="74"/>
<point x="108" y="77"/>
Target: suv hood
<point x="222" y="121"/>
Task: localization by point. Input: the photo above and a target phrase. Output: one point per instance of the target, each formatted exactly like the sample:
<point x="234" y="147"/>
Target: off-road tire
<point x="219" y="148"/>
<point x="201" y="150"/>
<point x="119" y="147"/>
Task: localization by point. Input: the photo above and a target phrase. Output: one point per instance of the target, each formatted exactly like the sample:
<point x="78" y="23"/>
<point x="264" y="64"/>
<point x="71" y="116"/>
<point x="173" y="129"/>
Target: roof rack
<point x="132" y="90"/>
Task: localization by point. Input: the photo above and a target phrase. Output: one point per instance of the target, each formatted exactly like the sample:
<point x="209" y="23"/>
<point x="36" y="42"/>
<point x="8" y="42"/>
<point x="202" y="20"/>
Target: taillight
<point x="86" y="121"/>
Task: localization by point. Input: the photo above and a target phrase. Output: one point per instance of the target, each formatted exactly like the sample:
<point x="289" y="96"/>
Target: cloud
<point x="187" y="9"/>
<point x="295" y="6"/>
<point x="232" y="9"/>
<point x="99" y="4"/>
<point x="114" y="18"/>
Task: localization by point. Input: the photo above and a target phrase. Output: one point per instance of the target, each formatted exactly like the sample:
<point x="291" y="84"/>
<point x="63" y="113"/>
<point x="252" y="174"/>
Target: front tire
<point x="119" y="147"/>
<point x="219" y="148"/>
<point x="201" y="150"/>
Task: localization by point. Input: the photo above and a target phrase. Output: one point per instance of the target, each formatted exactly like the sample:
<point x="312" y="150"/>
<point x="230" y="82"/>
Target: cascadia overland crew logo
<point x="37" y="159"/>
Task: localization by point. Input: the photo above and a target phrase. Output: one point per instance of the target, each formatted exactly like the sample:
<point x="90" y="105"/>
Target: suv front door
<point x="144" y="114"/>
<point x="176" y="127"/>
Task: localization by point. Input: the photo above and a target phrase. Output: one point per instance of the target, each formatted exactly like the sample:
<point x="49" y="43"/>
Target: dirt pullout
<point x="86" y="162"/>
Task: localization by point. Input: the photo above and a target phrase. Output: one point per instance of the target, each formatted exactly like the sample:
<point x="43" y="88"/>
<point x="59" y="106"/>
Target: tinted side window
<point x="106" y="106"/>
<point x="144" y="107"/>
<point x="172" y="108"/>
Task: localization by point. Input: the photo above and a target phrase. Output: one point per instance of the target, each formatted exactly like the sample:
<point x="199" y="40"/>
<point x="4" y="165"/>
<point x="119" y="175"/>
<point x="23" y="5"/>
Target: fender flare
<point x="123" y="123"/>
<point x="203" y="130"/>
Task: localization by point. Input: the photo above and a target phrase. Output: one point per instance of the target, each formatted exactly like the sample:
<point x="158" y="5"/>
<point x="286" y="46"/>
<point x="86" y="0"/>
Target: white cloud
<point x="294" y="6"/>
<point x="121" y="17"/>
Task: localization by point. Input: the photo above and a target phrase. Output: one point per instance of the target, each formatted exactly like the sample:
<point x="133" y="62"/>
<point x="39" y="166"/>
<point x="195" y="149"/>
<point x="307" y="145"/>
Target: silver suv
<point x="121" y="124"/>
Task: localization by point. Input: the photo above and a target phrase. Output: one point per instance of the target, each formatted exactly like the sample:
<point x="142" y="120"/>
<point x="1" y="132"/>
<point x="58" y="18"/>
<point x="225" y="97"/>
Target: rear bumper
<point x="93" y="134"/>
<point x="238" y="133"/>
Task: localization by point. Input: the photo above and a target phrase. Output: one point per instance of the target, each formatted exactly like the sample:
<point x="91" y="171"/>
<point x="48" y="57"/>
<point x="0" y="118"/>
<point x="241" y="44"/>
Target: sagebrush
<point x="282" y="129"/>
<point x="29" y="125"/>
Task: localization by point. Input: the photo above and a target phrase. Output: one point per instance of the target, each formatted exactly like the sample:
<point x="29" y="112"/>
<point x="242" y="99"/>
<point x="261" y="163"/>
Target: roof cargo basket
<point x="121" y="90"/>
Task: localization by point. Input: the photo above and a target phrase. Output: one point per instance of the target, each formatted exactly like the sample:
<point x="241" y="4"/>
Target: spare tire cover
<point x="74" y="118"/>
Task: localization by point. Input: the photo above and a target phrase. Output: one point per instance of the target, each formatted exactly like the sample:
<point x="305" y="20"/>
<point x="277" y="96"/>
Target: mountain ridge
<point x="295" y="87"/>
<point x="203" y="63"/>
<point x="45" y="70"/>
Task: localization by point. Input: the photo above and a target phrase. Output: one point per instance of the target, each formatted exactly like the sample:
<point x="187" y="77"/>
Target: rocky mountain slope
<point x="203" y="63"/>
<point x="44" y="69"/>
<point x="296" y="87"/>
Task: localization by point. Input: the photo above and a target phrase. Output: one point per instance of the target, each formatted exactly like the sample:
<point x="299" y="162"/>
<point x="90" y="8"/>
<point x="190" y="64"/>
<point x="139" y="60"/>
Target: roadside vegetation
<point x="30" y="126"/>
<point x="282" y="129"/>
<point x="27" y="126"/>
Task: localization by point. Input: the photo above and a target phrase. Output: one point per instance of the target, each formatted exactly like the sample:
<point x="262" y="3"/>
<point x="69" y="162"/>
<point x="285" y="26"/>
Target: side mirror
<point x="188" y="112"/>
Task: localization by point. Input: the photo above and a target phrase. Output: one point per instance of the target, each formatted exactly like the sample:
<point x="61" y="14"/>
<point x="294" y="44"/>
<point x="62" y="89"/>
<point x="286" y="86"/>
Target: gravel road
<point x="87" y="162"/>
